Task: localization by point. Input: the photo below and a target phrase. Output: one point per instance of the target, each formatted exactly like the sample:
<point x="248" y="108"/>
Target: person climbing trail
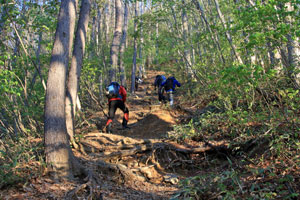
<point x="169" y="86"/>
<point x="116" y="95"/>
<point x="157" y="84"/>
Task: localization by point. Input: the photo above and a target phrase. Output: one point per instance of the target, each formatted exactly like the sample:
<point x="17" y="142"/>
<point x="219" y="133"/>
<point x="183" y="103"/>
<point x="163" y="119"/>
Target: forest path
<point x="135" y="163"/>
<point x="147" y="118"/>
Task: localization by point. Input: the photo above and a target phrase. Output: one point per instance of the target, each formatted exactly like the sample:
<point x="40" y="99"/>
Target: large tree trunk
<point x="76" y="65"/>
<point x="115" y="47"/>
<point x="122" y="48"/>
<point x="57" y="147"/>
<point x="132" y="88"/>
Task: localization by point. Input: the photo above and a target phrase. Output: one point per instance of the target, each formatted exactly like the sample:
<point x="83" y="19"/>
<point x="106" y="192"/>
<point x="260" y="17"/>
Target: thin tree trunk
<point x="227" y="34"/>
<point x="187" y="52"/>
<point x="141" y="64"/>
<point x="132" y="88"/>
<point x="76" y="65"/>
<point x="293" y="52"/>
<point x="38" y="59"/>
<point x="122" y="48"/>
<point x="115" y="47"/>
<point x="57" y="147"/>
<point x="202" y="14"/>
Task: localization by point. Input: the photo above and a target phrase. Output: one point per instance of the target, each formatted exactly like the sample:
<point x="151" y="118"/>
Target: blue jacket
<point x="175" y="83"/>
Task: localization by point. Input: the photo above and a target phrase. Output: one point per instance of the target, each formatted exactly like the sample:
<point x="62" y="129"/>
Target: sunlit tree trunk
<point x="187" y="52"/>
<point x="141" y="72"/>
<point x="57" y="147"/>
<point x="213" y="38"/>
<point x="115" y="46"/>
<point x="76" y="65"/>
<point x="122" y="48"/>
<point x="227" y="33"/>
<point x="293" y="52"/>
<point x="132" y="88"/>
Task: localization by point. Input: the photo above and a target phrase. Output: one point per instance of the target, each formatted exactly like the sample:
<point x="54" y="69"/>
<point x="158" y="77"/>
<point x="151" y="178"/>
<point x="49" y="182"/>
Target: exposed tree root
<point x="141" y="159"/>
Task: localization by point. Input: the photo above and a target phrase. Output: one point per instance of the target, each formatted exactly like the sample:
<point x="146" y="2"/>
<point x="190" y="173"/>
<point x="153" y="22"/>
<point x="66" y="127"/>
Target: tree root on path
<point x="89" y="186"/>
<point x="140" y="160"/>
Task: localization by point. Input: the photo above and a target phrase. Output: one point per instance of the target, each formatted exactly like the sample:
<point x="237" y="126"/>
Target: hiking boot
<point x="124" y="123"/>
<point x="107" y="129"/>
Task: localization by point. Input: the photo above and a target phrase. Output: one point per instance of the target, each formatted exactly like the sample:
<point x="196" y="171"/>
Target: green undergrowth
<point x="263" y="159"/>
<point x="20" y="160"/>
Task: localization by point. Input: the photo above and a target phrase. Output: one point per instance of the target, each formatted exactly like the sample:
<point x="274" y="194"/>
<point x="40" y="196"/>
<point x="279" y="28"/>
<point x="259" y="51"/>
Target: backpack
<point x="160" y="79"/>
<point x="113" y="90"/>
<point x="169" y="83"/>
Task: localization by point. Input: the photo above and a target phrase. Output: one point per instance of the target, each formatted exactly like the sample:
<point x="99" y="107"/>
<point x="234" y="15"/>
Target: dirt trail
<point x="148" y="119"/>
<point x="133" y="162"/>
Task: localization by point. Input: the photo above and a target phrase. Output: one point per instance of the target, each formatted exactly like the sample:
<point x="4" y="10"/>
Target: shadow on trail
<point x="149" y="126"/>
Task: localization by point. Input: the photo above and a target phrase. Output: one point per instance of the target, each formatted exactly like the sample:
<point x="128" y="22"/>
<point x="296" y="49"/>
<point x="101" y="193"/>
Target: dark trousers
<point x="161" y="96"/>
<point x="113" y="105"/>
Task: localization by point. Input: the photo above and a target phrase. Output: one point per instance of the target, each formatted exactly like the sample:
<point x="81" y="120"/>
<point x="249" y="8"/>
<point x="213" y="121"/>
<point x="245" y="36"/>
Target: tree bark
<point x="293" y="52"/>
<point x="227" y="34"/>
<point x="57" y="148"/>
<point x="187" y="52"/>
<point x="203" y="16"/>
<point x="115" y="47"/>
<point x="122" y="48"/>
<point x="76" y="65"/>
<point x="132" y="88"/>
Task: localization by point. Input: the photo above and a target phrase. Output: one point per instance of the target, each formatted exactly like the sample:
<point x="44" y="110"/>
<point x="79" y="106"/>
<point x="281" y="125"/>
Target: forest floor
<point x="142" y="162"/>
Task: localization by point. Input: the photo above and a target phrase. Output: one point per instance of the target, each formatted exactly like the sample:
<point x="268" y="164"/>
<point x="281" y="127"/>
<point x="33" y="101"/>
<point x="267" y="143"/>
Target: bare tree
<point x="57" y="147"/>
<point x="187" y="53"/>
<point x="122" y="48"/>
<point x="76" y="65"/>
<point x="132" y="88"/>
<point x="115" y="46"/>
<point x="227" y="33"/>
<point x="213" y="37"/>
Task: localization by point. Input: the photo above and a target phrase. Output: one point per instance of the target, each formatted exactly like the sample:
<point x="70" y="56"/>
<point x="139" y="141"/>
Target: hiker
<point x="169" y="86"/>
<point x="157" y="84"/>
<point x="116" y="95"/>
<point x="138" y="81"/>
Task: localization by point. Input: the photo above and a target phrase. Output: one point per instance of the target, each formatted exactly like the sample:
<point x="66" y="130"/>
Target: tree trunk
<point x="227" y="34"/>
<point x="132" y="88"/>
<point x="57" y="147"/>
<point x="115" y="47"/>
<point x="141" y="63"/>
<point x="122" y="48"/>
<point x="187" y="52"/>
<point x="293" y="52"/>
<point x="202" y="14"/>
<point x="76" y="65"/>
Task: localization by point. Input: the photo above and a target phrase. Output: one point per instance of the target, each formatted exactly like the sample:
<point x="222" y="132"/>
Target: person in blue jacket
<point x="169" y="86"/>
